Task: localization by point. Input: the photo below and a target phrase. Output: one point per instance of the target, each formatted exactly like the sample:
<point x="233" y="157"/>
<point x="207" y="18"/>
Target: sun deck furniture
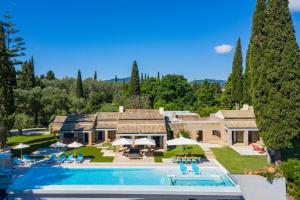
<point x="70" y="158"/>
<point x="27" y="159"/>
<point x="188" y="160"/>
<point x="195" y="168"/>
<point x="52" y="158"/>
<point x="183" y="169"/>
<point x="79" y="158"/>
<point x="134" y="153"/>
<point x="18" y="161"/>
<point x="258" y="148"/>
<point x="62" y="158"/>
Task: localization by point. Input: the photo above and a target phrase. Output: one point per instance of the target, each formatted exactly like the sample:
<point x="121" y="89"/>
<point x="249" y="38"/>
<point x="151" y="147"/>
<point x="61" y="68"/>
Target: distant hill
<point x="127" y="79"/>
<point x="119" y="80"/>
<point x="221" y="82"/>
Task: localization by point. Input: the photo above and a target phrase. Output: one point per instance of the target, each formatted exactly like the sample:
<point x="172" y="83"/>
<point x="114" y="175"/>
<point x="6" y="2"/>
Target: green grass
<point x="91" y="152"/>
<point x="236" y="163"/>
<point x="109" y="146"/>
<point x="179" y="150"/>
<point x="35" y="142"/>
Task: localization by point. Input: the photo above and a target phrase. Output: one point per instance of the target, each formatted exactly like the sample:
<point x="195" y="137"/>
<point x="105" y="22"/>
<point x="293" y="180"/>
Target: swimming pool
<point x="40" y="177"/>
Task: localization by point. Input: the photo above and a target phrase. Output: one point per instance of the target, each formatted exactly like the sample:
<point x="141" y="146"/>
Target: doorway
<point x="199" y="136"/>
<point x="85" y="137"/>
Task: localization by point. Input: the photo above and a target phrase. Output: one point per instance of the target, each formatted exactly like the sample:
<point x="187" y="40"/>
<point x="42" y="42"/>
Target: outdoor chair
<point x="62" y="158"/>
<point x="70" y="158"/>
<point x="27" y="159"/>
<point x="183" y="169"/>
<point x="195" y="168"/>
<point x="79" y="158"/>
<point x="18" y="162"/>
<point x="52" y="158"/>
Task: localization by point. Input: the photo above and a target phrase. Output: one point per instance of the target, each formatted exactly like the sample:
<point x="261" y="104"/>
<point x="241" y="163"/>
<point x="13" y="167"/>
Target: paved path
<point x="207" y="151"/>
<point x="258" y="188"/>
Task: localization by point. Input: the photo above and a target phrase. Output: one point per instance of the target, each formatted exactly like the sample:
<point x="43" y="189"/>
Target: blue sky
<point x="169" y="36"/>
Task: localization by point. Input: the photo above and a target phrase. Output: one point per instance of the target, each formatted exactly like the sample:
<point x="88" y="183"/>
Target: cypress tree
<point x="116" y="79"/>
<point x="254" y="52"/>
<point x="142" y="77"/>
<point x="79" y="87"/>
<point x="7" y="106"/>
<point x="95" y="76"/>
<point x="237" y="74"/>
<point x="277" y="94"/>
<point x="158" y="76"/>
<point x="135" y="80"/>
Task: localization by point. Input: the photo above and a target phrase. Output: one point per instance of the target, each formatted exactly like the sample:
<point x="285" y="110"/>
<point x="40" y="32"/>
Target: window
<point x="68" y="135"/>
<point x="217" y="133"/>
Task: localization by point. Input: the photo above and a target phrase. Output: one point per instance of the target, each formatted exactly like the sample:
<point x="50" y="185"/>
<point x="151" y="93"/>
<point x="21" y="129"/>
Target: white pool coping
<point x="136" y="189"/>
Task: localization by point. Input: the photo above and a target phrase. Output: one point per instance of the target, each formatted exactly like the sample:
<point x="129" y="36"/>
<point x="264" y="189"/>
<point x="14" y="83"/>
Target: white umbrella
<point x="144" y="141"/>
<point x="75" y="145"/>
<point x="181" y="141"/>
<point x="122" y="141"/>
<point x="58" y="145"/>
<point x="21" y="146"/>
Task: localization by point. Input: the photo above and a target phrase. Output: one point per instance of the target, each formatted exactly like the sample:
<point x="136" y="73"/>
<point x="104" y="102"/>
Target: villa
<point x="226" y="127"/>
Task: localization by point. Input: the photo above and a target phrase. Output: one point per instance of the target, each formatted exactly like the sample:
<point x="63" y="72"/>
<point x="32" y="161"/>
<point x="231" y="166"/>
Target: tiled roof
<point x="141" y="114"/>
<point x="237" y="114"/>
<point x="77" y="126"/>
<point x="251" y="124"/>
<point x="107" y="116"/>
<point x="141" y="128"/>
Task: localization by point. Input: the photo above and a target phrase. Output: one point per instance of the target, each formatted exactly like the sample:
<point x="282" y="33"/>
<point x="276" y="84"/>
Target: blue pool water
<point x="36" y="178"/>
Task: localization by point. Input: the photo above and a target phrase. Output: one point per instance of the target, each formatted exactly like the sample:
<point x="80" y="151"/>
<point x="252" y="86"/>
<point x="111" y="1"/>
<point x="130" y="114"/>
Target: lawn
<point x="35" y="142"/>
<point x="179" y="150"/>
<point x="236" y="163"/>
<point x="91" y="152"/>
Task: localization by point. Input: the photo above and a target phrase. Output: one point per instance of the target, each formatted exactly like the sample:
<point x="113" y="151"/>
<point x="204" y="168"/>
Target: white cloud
<point x="294" y="5"/>
<point x="223" y="49"/>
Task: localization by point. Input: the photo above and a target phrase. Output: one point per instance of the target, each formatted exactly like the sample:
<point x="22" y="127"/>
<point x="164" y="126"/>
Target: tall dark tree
<point x="26" y="78"/>
<point x="50" y="75"/>
<point x="237" y="74"/>
<point x="95" y="76"/>
<point x="158" y="76"/>
<point x="135" y="80"/>
<point x="15" y="46"/>
<point x="79" y="86"/>
<point x="7" y="106"/>
<point x="255" y="51"/>
<point x="277" y="95"/>
<point x="116" y="79"/>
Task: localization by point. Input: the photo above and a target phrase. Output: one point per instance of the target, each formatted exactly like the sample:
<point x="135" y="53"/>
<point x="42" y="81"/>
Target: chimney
<point x="245" y="107"/>
<point x="161" y="111"/>
<point x="121" y="109"/>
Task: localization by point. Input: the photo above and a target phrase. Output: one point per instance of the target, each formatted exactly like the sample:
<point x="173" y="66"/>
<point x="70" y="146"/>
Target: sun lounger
<point x="183" y="169"/>
<point x="195" y="168"/>
<point x="79" y="158"/>
<point x="70" y="158"/>
<point x="62" y="158"/>
<point x="52" y="158"/>
<point x="18" y="161"/>
<point x="27" y="159"/>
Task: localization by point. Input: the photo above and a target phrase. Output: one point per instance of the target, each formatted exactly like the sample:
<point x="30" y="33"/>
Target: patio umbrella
<point x="182" y="141"/>
<point x="21" y="146"/>
<point x="122" y="141"/>
<point x="144" y="141"/>
<point x="58" y="145"/>
<point x="75" y="145"/>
